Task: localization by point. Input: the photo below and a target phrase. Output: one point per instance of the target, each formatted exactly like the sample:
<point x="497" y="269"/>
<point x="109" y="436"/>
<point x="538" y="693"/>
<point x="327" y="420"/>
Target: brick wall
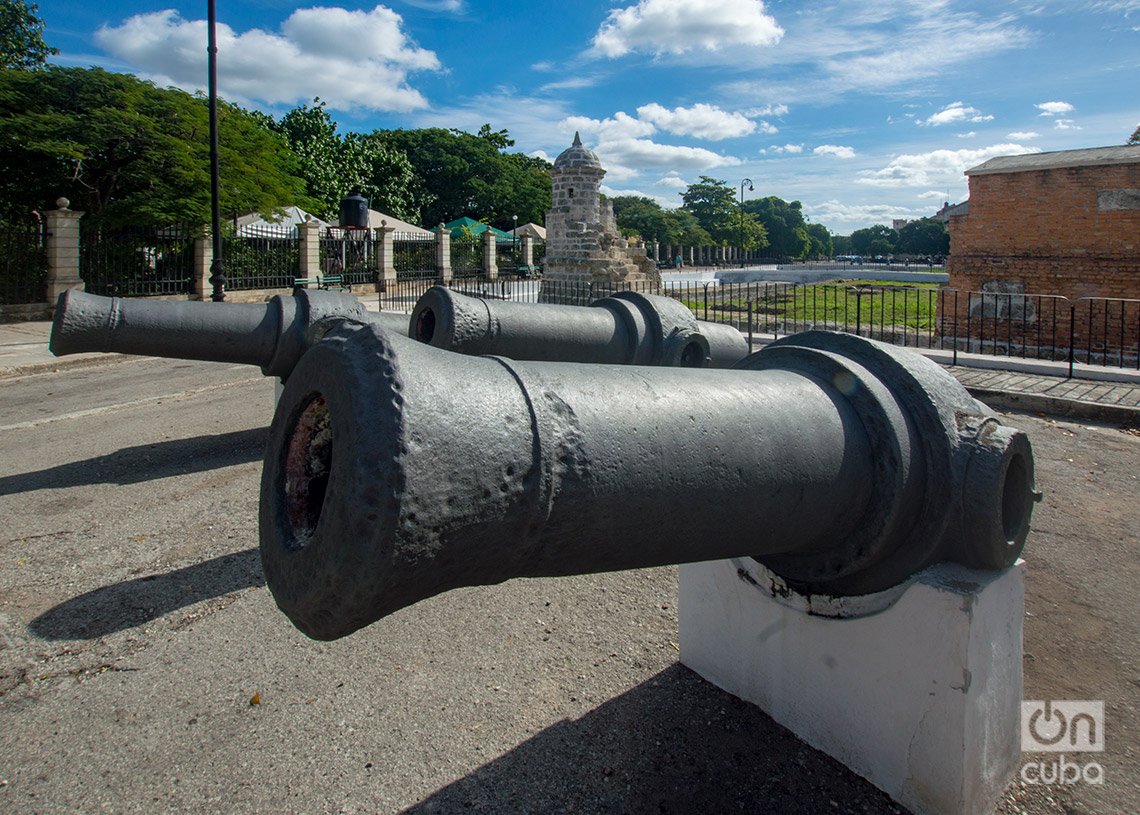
<point x="1073" y="232"/>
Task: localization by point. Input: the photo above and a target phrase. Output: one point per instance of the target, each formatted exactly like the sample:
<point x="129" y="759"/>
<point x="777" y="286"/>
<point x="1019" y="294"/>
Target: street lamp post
<point x="747" y="181"/>
<point x="515" y="242"/>
<point x="217" y="268"/>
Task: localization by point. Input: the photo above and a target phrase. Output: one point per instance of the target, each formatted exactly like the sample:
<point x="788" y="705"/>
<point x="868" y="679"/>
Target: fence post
<point x="527" y="259"/>
<point x="1072" y="333"/>
<point x="385" y="257"/>
<point x="309" y="256"/>
<point x="62" y="249"/>
<point x="203" y="258"/>
<point x="490" y="261"/>
<point x="443" y="254"/>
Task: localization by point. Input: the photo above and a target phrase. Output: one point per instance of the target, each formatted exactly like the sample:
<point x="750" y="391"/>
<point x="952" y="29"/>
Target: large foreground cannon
<point x="627" y="328"/>
<point x="270" y="335"/>
<point x="395" y="471"/>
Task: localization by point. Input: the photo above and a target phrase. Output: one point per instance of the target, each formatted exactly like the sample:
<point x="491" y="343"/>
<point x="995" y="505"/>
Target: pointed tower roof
<point x="577" y="155"/>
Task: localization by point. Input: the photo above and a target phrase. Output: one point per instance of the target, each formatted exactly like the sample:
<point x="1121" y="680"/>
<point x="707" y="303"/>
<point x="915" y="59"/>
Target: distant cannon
<point x="270" y="335"/>
<point x="395" y="471"/>
<point x="627" y="328"/>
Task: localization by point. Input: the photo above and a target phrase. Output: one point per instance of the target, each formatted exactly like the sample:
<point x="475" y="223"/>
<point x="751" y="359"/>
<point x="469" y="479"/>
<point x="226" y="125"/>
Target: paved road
<point x="144" y="667"/>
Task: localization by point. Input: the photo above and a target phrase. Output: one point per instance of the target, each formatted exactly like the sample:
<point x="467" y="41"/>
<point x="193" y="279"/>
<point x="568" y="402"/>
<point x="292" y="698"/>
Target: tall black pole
<point x="747" y="181"/>
<point x="217" y="268"/>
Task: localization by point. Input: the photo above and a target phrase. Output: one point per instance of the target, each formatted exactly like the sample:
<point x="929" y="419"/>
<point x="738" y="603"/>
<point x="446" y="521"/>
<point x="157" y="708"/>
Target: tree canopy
<point x="1135" y="137"/>
<point x="22" y="45"/>
<point x="333" y="165"/>
<point x="926" y="236"/>
<point x="874" y="240"/>
<point x="459" y="174"/>
<point x="713" y="203"/>
<point x="127" y="152"/>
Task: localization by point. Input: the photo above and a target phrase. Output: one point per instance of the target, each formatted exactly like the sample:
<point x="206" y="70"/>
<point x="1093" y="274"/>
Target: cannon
<point x="627" y="328"/>
<point x="395" y="471"/>
<point x="270" y="335"/>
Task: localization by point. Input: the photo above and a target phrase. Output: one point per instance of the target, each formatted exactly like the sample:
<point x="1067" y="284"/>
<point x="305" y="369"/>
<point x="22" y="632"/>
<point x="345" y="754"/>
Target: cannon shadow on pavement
<point x="134" y="602"/>
<point x="675" y="744"/>
<point x="146" y="462"/>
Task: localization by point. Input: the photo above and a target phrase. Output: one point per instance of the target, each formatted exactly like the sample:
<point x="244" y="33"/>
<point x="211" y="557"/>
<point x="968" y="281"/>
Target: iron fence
<point x="353" y="255"/>
<point x="137" y="260"/>
<point x="414" y="256"/>
<point x="23" y="262"/>
<point x="466" y="257"/>
<point x="265" y="257"/>
<point x="1097" y="331"/>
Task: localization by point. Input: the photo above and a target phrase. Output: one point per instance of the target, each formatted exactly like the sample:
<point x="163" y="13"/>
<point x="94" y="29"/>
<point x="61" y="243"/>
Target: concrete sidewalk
<point x="1096" y="393"/>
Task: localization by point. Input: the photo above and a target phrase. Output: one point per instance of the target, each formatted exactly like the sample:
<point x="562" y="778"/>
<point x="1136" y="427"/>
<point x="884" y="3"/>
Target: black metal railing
<point x="1097" y="331"/>
<point x="261" y="258"/>
<point x="137" y="260"/>
<point x="414" y="256"/>
<point x="466" y="257"/>
<point x="23" y="262"/>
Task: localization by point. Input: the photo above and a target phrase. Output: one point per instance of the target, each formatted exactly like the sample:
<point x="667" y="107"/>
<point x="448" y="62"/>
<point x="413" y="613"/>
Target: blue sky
<point x="864" y="110"/>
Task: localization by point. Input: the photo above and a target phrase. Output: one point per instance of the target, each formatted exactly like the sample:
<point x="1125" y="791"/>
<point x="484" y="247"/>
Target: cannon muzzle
<point x="628" y="328"/>
<point x="395" y="471"/>
<point x="270" y="335"/>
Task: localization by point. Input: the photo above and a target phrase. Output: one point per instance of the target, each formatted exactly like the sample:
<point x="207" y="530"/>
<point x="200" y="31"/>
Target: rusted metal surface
<point x="395" y="471"/>
<point x="270" y="335"/>
<point x="628" y="328"/>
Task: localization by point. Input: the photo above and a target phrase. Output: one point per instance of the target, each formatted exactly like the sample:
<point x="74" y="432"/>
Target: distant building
<point x="1063" y="223"/>
<point x="1052" y="223"/>
<point x="583" y="244"/>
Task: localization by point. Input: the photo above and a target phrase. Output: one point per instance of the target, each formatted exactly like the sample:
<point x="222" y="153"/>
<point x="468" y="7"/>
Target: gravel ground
<point x="144" y="667"/>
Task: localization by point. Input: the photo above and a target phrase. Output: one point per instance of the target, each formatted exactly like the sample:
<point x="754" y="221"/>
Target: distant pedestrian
<point x="677" y="261"/>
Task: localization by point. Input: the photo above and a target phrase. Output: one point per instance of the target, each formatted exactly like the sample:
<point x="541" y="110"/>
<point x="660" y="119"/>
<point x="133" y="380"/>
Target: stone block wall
<point x="1068" y="231"/>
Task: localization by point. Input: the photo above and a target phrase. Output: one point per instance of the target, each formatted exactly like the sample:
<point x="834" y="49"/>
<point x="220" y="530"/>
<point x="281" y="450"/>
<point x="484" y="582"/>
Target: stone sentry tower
<point x="583" y="245"/>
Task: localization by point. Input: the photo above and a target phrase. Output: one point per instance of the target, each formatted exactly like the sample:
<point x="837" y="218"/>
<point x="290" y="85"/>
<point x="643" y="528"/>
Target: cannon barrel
<point x="270" y="335"/>
<point x="395" y="471"/>
<point x="627" y="328"/>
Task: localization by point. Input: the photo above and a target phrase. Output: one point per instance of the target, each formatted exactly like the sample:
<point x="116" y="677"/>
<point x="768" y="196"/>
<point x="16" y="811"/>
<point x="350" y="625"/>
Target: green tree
<point x="1135" y="137"/>
<point x="713" y="204"/>
<point x="333" y="165"/>
<point x="127" y="152"/>
<point x="461" y="174"/>
<point x="637" y="216"/>
<point x="22" y="45"/>
<point x="874" y="240"/>
<point x="822" y="245"/>
<point x="926" y="236"/>
<point x="784" y="223"/>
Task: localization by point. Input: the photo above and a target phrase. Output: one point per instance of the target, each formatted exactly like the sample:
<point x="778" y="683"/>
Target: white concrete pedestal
<point x="921" y="696"/>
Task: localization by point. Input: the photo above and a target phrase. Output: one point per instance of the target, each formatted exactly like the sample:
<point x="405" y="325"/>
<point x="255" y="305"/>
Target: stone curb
<point x="62" y="364"/>
<point x="1056" y="406"/>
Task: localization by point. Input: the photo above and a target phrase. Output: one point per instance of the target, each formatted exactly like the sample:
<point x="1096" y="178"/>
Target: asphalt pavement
<point x="145" y="668"/>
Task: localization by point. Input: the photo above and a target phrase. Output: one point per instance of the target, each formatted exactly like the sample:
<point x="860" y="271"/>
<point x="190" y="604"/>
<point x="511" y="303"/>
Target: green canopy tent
<point x="474" y="227"/>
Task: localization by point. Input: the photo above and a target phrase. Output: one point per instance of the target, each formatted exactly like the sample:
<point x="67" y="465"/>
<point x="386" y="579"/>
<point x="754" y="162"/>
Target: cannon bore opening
<point x="425" y="325"/>
<point x="693" y="356"/>
<point x="1016" y="498"/>
<point x="308" y="465"/>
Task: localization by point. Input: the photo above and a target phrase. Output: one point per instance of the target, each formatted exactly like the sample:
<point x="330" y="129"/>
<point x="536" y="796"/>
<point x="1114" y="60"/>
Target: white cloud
<point x="767" y="127"/>
<point x="453" y="6"/>
<point x="767" y="110"/>
<point x="1054" y="108"/>
<point x="624" y="158"/>
<point x="701" y="120"/>
<point x="672" y="180"/>
<point x="938" y="168"/>
<point x="955" y="112"/>
<point x="842" y="218"/>
<point x="1023" y="135"/>
<point x="351" y="59"/>
<point x="571" y="83"/>
<point x="620" y="126"/>
<point x="677" y="26"/>
<point x="969" y="134"/>
<point x="836" y="150"/>
<point x="784" y="148"/>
